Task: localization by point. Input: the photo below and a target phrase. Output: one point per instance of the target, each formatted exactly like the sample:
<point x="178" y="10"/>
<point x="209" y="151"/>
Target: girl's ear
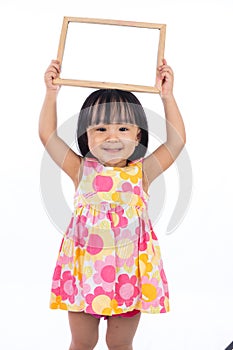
<point x="139" y="134"/>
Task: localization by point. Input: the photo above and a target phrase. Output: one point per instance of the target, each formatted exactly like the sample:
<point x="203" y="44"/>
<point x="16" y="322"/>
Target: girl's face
<point x="113" y="144"/>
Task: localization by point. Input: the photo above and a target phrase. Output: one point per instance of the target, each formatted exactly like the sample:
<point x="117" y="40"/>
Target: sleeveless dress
<point x="109" y="262"/>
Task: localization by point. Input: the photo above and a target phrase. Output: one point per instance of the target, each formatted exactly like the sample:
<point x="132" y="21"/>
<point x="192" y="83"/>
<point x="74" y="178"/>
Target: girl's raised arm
<point x="165" y="155"/>
<point x="59" y="151"/>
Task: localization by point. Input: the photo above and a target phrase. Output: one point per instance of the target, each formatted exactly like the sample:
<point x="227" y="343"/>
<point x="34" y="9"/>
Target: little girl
<point x="109" y="264"/>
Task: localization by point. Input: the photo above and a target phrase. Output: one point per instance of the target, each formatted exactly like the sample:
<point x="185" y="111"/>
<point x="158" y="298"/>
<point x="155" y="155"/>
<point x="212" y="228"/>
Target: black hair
<point x="112" y="106"/>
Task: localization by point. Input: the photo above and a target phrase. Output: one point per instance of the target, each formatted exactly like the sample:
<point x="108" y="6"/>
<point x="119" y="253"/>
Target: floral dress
<point x="109" y="261"/>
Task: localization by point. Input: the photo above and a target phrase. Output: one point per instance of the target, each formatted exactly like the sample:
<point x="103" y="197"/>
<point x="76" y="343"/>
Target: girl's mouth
<point x="112" y="150"/>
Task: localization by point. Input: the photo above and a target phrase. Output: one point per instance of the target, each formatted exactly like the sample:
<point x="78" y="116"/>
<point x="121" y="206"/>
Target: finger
<point x="164" y="61"/>
<point x="50" y="78"/>
<point x="55" y="62"/>
<point x="50" y="84"/>
<point x="52" y="69"/>
<point x="166" y="69"/>
<point x="165" y="76"/>
<point x="55" y="65"/>
<point x="164" y="66"/>
<point x="51" y="75"/>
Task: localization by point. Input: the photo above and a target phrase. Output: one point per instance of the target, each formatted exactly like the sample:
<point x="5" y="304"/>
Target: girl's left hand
<point x="165" y="80"/>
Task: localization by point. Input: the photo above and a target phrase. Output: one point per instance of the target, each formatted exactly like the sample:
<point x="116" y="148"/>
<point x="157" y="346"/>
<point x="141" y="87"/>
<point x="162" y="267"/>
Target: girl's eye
<point x="101" y="129"/>
<point x="123" y="129"/>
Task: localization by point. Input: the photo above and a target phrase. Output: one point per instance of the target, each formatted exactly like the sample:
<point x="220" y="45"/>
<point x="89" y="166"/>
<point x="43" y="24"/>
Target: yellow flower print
<point x="111" y="309"/>
<point x="154" y="310"/>
<point x="101" y="304"/>
<point x="116" y="197"/>
<point x="143" y="265"/>
<point x="56" y="302"/>
<point x="130" y="212"/>
<point x="104" y="225"/>
<point x="114" y="305"/>
<point x="157" y="255"/>
<point x="68" y="247"/>
<point x="129" y="198"/>
<point x="149" y="292"/>
<point x="78" y="262"/>
<point x="157" y="275"/>
<point x="127" y="268"/>
<point x="88" y="271"/>
<point x="131" y="173"/>
<point x="166" y="304"/>
<point x="139" y="202"/>
<point x="75" y="307"/>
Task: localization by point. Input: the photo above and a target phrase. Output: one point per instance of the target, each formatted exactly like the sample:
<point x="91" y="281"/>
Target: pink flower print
<point x="95" y="244"/>
<point x="117" y="218"/>
<point x="137" y="190"/>
<point x="64" y="285"/>
<point x="66" y="252"/>
<point x="57" y="273"/>
<point x="126" y="290"/>
<point x="164" y="302"/>
<point x="126" y="248"/>
<point x="152" y="231"/>
<point x="69" y="230"/>
<point x="68" y="287"/>
<point x="151" y="292"/>
<point x="85" y="287"/>
<point x="80" y="231"/>
<point x="102" y="183"/>
<point x="116" y="231"/>
<point x="164" y="279"/>
<point x="65" y="260"/>
<point x="143" y="243"/>
<point x="143" y="235"/>
<point x="163" y="276"/>
<point x="127" y="187"/>
<point x="89" y="165"/>
<point x="106" y="273"/>
<point x="95" y="215"/>
<point x="99" y="302"/>
<point x="153" y="235"/>
<point x="56" y="280"/>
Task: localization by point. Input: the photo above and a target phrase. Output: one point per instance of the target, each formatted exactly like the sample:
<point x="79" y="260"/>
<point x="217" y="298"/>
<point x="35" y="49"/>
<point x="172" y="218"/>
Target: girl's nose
<point x="112" y="135"/>
<point x="112" y="138"/>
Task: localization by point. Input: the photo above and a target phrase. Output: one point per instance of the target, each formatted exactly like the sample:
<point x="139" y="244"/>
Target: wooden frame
<point x="110" y="85"/>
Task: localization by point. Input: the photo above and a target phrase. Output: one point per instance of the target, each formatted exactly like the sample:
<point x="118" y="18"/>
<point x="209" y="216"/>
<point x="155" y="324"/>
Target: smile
<point x="112" y="150"/>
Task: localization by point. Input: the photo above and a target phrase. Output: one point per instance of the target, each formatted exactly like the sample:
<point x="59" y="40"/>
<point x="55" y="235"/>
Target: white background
<point x="198" y="255"/>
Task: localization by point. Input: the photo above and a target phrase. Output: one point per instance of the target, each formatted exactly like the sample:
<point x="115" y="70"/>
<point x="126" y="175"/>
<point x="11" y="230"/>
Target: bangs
<point x="104" y="112"/>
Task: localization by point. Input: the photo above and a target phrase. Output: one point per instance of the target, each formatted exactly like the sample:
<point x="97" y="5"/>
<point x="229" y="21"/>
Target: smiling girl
<point x="109" y="264"/>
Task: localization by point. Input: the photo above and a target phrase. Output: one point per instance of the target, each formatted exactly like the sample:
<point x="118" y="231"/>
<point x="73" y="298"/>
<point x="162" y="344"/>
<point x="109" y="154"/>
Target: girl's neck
<point x="119" y="164"/>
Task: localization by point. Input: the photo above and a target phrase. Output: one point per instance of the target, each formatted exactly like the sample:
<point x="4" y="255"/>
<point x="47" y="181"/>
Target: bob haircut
<point x="109" y="106"/>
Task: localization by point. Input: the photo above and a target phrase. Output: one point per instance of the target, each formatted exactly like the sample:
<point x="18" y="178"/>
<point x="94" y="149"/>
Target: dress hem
<point x="161" y="311"/>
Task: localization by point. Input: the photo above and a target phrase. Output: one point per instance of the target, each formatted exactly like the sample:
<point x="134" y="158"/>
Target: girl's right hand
<point x="51" y="73"/>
